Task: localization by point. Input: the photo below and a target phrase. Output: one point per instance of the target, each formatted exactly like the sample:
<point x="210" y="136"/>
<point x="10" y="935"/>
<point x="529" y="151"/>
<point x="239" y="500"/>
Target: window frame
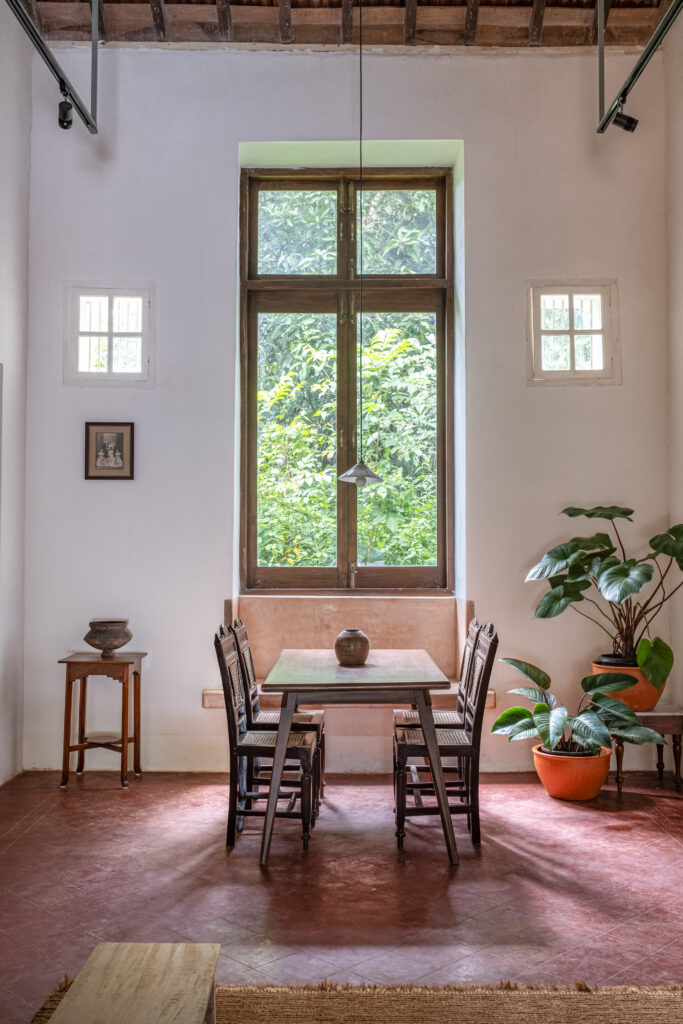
<point x="611" y="371"/>
<point x="73" y="292"/>
<point x="338" y="293"/>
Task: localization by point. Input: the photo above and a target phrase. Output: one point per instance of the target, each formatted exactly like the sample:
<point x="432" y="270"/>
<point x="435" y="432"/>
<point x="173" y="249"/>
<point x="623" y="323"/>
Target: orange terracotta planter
<point x="641" y="697"/>
<point x="572" y="778"/>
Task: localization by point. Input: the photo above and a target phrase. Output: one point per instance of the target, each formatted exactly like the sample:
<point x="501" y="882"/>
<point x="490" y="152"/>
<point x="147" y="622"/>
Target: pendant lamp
<point x="360" y="474"/>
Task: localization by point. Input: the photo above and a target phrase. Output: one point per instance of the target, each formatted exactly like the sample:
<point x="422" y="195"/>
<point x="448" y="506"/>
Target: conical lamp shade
<point x="360" y="475"/>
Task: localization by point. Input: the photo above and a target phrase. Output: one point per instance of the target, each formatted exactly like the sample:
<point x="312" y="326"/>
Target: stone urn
<point x="107" y="635"/>
<point x="352" y="648"/>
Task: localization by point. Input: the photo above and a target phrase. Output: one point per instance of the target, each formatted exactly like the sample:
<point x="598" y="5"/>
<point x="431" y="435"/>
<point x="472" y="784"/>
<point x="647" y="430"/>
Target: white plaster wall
<point x="673" y="63"/>
<point x="15" y="87"/>
<point x="155" y="198"/>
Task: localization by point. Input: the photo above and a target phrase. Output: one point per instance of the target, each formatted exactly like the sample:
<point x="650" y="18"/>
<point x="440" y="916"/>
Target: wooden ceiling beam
<point x="31" y="8"/>
<point x="224" y="20"/>
<point x="536" y="22"/>
<point x="594" y="25"/>
<point x="471" y="19"/>
<point x="285" y="18"/>
<point x="346" y="22"/>
<point x="410" y="22"/>
<point x="160" y="20"/>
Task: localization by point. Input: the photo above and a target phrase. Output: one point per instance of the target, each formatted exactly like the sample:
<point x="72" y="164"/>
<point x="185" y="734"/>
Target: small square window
<point x="572" y="333"/>
<point x="108" y="336"/>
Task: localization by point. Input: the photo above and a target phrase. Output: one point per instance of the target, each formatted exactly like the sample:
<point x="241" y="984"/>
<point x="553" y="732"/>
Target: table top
<point x="319" y="670"/>
<point x="124" y="658"/>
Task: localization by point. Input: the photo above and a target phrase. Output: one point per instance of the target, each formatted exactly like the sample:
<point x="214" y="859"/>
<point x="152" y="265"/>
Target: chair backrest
<point x="239" y="631"/>
<point x="467" y="666"/>
<point x="229" y="665"/>
<point x="475" y="702"/>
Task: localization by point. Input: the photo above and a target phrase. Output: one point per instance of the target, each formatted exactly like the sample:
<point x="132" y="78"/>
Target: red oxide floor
<point x="557" y="893"/>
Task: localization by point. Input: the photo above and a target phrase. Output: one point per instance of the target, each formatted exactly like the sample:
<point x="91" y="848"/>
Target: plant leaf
<point x="670" y="543"/>
<point x="559" y="598"/>
<point x="618" y="582"/>
<point x="510" y="718"/>
<point x="523" y="732"/>
<point x="607" y="682"/>
<point x="637" y="734"/>
<point x="535" y="696"/>
<point x="532" y="672"/>
<point x="613" y="708"/>
<point x="590" y="729"/>
<point x="557" y="560"/>
<point x="656" y="659"/>
<point x="598" y="541"/>
<point x="550" y="724"/>
<point x="610" y="512"/>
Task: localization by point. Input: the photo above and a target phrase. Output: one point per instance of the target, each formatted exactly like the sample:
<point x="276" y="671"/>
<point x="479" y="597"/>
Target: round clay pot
<point x="571" y="777"/>
<point x="641" y="697"/>
<point x="352" y="648"/>
<point x="107" y="635"/>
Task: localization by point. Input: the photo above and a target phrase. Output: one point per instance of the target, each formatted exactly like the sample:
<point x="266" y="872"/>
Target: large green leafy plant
<point x="596" y="573"/>
<point x="598" y="720"/>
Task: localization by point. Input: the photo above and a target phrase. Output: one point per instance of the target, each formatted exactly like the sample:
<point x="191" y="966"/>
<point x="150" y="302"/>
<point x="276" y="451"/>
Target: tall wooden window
<point x="301" y="323"/>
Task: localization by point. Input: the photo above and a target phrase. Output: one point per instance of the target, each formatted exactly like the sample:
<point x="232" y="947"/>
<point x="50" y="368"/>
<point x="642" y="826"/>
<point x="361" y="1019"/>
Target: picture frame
<point x="109" y="451"/>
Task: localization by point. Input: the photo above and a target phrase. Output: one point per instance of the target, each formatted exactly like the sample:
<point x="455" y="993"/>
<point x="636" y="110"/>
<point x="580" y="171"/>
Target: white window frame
<point x="611" y="348"/>
<point x="73" y="291"/>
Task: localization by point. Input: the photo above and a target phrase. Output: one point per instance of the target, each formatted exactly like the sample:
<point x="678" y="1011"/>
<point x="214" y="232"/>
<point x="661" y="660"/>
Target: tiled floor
<point x="557" y="892"/>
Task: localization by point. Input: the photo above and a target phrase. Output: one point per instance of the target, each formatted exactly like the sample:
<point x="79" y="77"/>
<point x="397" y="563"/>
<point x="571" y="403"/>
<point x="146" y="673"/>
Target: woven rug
<point x="397" y="1004"/>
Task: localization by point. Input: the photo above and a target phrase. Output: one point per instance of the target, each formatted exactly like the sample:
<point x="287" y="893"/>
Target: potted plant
<point x="595" y="573"/>
<point x="572" y="759"/>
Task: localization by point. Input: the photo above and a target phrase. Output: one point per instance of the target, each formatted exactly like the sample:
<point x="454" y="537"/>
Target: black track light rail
<point x="89" y="117"/>
<point x="614" y="114"/>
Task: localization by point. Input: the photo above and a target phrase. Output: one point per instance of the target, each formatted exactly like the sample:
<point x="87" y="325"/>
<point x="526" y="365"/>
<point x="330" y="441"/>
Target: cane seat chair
<point x="463" y="743"/>
<point x="453" y="718"/>
<point x="245" y="746"/>
<point x="267" y="721"/>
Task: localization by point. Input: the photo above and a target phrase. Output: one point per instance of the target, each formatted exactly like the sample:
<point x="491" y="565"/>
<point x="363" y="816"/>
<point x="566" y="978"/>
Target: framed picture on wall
<point x="109" y="451"/>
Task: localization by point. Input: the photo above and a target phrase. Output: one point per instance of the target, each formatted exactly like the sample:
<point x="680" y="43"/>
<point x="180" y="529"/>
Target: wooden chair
<point x="455" y="718"/>
<point x="461" y="743"/>
<point x="245" y="745"/>
<point x="266" y="721"/>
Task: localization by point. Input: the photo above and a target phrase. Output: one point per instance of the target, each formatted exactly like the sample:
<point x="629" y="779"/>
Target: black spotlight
<point x="66" y="114"/>
<point x="629" y="124"/>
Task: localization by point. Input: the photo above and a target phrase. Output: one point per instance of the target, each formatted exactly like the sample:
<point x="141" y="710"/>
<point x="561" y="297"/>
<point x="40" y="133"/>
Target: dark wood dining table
<point x="315" y="677"/>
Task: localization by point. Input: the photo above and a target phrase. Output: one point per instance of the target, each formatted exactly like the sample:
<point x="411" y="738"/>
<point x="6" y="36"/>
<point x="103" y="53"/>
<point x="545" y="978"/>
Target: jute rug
<point x="396" y="1004"/>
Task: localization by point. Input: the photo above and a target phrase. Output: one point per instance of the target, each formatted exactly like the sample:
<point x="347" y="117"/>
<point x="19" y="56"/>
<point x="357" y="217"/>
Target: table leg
<point x="136" y="724"/>
<point x="66" y="753"/>
<point x="677" y="760"/>
<point x="619" y="754"/>
<point x="210" y="1017"/>
<point x="424" y="707"/>
<point x="82" y="697"/>
<point x="124" y="729"/>
<point x="660" y="765"/>
<point x="289" y="701"/>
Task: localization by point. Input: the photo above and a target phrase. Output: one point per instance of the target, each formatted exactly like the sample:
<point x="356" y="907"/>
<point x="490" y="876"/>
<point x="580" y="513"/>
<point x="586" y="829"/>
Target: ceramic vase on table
<point x="107" y="635"/>
<point x="352" y="648"/>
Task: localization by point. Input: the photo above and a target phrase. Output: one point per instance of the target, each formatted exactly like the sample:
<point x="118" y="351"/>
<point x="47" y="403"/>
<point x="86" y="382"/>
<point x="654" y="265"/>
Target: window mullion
<point x="110" y="342"/>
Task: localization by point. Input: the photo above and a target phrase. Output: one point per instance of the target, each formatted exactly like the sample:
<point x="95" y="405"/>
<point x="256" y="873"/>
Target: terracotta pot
<point x="352" y="648"/>
<point x="572" y="778"/>
<point x="107" y="635"/>
<point x="641" y="697"/>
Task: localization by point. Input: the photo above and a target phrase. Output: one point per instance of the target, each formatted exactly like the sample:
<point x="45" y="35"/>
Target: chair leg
<point x="400" y="794"/>
<point x="242" y="771"/>
<point x="249" y="783"/>
<point x="474" y="797"/>
<point x="306" y="786"/>
<point x="315" y="785"/>
<point x="232" y="803"/>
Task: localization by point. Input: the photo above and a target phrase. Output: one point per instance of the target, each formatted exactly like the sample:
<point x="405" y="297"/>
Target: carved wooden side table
<point x="119" y="668"/>
<point x="667" y="720"/>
